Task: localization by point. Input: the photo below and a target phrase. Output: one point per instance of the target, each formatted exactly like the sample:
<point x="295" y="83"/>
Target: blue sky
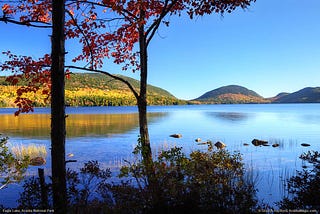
<point x="272" y="47"/>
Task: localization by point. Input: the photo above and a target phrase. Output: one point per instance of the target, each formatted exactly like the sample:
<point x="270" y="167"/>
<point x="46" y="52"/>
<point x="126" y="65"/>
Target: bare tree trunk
<point x="44" y="191"/>
<point x="146" y="151"/>
<point x="58" y="123"/>
<point x="142" y="100"/>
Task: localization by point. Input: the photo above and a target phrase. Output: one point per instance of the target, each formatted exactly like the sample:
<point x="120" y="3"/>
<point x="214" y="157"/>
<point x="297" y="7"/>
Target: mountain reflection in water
<point x="230" y="116"/>
<point x="78" y="125"/>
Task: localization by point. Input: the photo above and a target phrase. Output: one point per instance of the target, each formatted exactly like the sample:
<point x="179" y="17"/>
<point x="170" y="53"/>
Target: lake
<point x="109" y="134"/>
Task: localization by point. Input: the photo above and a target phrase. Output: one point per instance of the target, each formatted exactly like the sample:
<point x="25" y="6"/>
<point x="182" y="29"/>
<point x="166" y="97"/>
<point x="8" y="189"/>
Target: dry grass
<point x="31" y="150"/>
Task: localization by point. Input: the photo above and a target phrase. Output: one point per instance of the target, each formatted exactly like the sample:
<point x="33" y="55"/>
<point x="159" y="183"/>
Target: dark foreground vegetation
<point x="304" y="187"/>
<point x="211" y="181"/>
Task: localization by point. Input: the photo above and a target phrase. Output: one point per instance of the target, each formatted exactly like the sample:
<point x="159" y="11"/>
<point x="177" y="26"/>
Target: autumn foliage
<point x="36" y="73"/>
<point x="119" y="30"/>
<point x="105" y="29"/>
<point x="27" y="12"/>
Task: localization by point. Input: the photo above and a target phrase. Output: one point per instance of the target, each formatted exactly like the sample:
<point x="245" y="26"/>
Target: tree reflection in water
<point x="78" y="125"/>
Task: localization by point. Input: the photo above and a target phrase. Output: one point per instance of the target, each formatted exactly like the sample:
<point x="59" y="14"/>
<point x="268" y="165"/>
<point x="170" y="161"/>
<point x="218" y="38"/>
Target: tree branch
<point x="127" y="14"/>
<point x="4" y="185"/>
<point x="25" y="23"/>
<point x="155" y="25"/>
<point x="135" y="93"/>
<point x="85" y="37"/>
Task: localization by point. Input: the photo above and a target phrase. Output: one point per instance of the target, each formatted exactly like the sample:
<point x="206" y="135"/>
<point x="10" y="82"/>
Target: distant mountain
<point x="231" y="94"/>
<point x="306" y="95"/>
<point x="91" y="89"/>
<point x="238" y="94"/>
<point x="280" y="95"/>
<point x="104" y="82"/>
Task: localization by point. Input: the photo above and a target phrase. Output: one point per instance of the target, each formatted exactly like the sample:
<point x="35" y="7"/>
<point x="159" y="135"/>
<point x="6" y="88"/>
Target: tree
<point x="123" y="30"/>
<point x="58" y="116"/>
<point x="36" y="72"/>
<point x="126" y="34"/>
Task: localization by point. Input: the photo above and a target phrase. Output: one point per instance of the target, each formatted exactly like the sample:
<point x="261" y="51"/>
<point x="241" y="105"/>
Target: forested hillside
<point x="84" y="89"/>
<point x="93" y="90"/>
<point x="231" y="94"/>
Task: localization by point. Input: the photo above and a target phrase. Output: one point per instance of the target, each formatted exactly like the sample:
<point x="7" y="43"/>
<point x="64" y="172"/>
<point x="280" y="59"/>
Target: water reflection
<point x="310" y="119"/>
<point x="78" y="125"/>
<point x="289" y="125"/>
<point x="230" y="116"/>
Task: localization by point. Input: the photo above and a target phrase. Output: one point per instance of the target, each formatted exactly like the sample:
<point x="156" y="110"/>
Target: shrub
<point x="11" y="168"/>
<point x="83" y="189"/>
<point x="304" y="188"/>
<point x="204" y="182"/>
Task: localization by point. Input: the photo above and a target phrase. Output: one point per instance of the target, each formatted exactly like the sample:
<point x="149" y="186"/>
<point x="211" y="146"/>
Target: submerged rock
<point x="257" y="142"/>
<point x="37" y="161"/>
<point x="246" y="144"/>
<point x="275" y="145"/>
<point x="220" y="145"/>
<point x="305" y="144"/>
<point x="176" y="135"/>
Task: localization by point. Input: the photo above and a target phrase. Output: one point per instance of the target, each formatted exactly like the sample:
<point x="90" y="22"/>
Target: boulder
<point x="220" y="145"/>
<point x="257" y="142"/>
<point x="70" y="155"/>
<point x="176" y="135"/>
<point x="37" y="161"/>
<point x="198" y="140"/>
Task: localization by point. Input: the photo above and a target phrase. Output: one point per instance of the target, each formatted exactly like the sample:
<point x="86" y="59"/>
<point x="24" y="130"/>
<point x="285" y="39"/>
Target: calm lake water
<point x="109" y="134"/>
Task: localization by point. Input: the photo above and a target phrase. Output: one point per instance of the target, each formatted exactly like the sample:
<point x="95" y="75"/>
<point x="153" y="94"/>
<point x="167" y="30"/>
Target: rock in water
<point x="220" y="145"/>
<point x="198" y="140"/>
<point x="257" y="142"/>
<point x="275" y="145"/>
<point x="37" y="161"/>
<point x="176" y="135"/>
<point x="70" y="155"/>
<point x="305" y="144"/>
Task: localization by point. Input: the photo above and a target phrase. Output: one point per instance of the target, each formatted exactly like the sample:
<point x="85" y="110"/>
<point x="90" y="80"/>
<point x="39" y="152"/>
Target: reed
<point x="31" y="151"/>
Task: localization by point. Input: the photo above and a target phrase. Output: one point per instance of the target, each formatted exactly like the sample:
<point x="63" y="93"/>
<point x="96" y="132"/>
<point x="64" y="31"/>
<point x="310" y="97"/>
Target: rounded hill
<point x="231" y="94"/>
<point x="306" y="95"/>
<point x="92" y="89"/>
